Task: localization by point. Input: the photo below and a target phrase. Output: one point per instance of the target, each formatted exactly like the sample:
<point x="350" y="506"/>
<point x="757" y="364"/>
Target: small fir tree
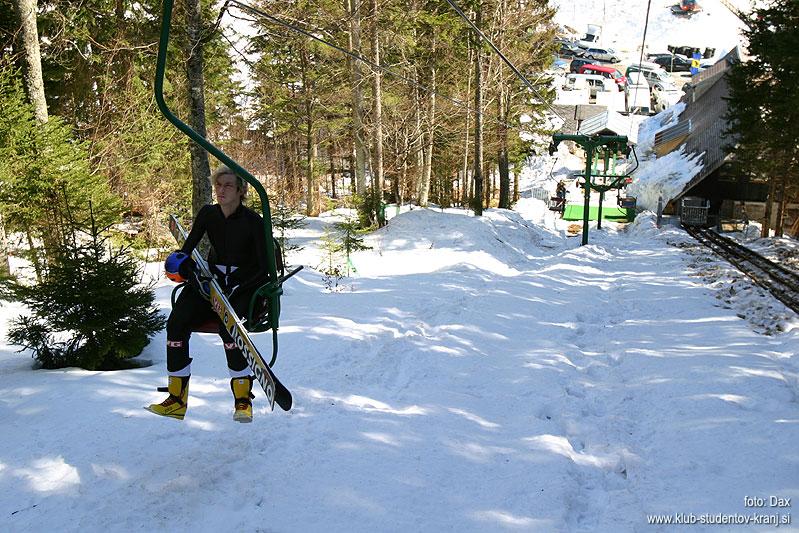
<point x="89" y="310"/>
<point x="350" y="239"/>
<point x="284" y="219"/>
<point x="333" y="272"/>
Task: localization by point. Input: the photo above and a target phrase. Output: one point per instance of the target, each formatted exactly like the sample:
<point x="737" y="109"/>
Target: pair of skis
<point x="273" y="388"/>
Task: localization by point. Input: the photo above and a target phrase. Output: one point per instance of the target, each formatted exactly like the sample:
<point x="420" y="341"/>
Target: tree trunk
<point x="353" y="184"/>
<point x="200" y="168"/>
<point x="312" y="199"/>
<point x="488" y="183"/>
<point x="418" y="143"/>
<point x="503" y="102"/>
<point x="794" y="231"/>
<point x="28" y="42"/>
<point x="399" y="183"/>
<point x="32" y="63"/>
<point x="427" y="153"/>
<point x="764" y="232"/>
<point x="332" y="174"/>
<point x="356" y="77"/>
<point x="5" y="265"/>
<point x="377" y="118"/>
<point x="515" y="184"/>
<point x="503" y="108"/>
<point x="779" y="224"/>
<point x="424" y="189"/>
<point x="478" y="118"/>
<point x="312" y="186"/>
<point x="465" y="170"/>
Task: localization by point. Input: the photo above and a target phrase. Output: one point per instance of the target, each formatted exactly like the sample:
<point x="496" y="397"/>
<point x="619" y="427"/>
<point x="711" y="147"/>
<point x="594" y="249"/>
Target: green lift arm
<point x="272" y="290"/>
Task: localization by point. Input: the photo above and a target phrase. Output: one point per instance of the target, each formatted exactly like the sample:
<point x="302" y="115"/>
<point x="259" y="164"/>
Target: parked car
<point x="674" y="63"/>
<point x="559" y="65"/>
<point x="635" y="79"/>
<point x="593" y="82"/>
<point x="654" y="74"/>
<point x="574" y="68"/>
<point x="605" y="71"/>
<point x="570" y="50"/>
<point x="643" y="65"/>
<point x="602" y="54"/>
<point x="652" y="57"/>
<point x="639" y="97"/>
<point x="665" y="97"/>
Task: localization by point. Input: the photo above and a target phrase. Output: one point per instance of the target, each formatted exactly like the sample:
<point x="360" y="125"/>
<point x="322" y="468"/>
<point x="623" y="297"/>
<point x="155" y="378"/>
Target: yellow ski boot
<point x="242" y="392"/>
<point x="175" y="404"/>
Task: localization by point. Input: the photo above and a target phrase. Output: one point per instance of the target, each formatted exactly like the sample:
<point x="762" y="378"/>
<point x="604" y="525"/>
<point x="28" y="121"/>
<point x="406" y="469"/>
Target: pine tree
<point x="763" y="115"/>
<point x="284" y="219"/>
<point x="89" y="310"/>
<point x="350" y="239"/>
<point x="332" y="270"/>
<point x="44" y="175"/>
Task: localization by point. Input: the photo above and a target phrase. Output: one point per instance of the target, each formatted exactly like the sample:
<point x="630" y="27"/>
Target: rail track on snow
<point x="783" y="283"/>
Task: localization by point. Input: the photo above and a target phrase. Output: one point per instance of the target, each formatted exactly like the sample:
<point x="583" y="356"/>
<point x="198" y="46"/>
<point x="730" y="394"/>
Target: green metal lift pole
<point x="599" y="210"/>
<point x="589" y="158"/>
<point x="274" y="293"/>
<point x="606" y="157"/>
<point x="589" y="144"/>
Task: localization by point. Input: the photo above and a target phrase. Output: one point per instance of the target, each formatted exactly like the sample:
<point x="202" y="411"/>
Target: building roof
<point x="608" y="122"/>
<point x="705" y="108"/>
<point x="574" y="115"/>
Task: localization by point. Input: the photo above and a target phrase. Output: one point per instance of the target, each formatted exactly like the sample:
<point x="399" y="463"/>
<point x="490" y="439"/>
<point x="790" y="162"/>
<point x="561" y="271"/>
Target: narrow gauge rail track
<point x="778" y="280"/>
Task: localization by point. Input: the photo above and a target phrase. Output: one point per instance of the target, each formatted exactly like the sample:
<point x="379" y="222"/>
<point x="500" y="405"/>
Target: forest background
<point x="319" y="127"/>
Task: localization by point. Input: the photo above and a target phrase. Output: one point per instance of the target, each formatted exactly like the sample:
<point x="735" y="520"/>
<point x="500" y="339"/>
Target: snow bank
<point x="664" y="177"/>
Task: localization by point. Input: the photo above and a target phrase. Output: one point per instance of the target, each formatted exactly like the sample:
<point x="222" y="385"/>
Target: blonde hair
<point x="221" y="170"/>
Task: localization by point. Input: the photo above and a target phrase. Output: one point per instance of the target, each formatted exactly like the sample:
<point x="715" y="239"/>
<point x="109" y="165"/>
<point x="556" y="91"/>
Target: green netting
<point x="575" y="212"/>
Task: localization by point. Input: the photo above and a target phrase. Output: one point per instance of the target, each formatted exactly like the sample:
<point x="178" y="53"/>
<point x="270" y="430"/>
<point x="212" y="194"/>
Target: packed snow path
<point x="475" y="375"/>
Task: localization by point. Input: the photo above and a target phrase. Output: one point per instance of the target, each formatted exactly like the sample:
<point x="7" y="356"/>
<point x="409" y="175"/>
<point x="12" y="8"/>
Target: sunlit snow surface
<point x="472" y="374"/>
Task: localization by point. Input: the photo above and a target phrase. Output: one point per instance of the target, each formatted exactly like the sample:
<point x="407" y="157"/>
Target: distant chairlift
<point x="600" y="174"/>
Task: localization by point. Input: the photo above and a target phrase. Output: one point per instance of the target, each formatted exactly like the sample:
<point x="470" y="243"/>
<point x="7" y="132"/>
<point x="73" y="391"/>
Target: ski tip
<point x="285" y="401"/>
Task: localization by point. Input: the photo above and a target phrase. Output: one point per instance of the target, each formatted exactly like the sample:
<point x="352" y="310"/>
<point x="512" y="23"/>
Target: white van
<point x="639" y="97"/>
<point x="665" y="98"/>
<point x="637" y="79"/>
<point x="593" y="82"/>
<point x="591" y="37"/>
<point x="639" y="100"/>
<point x="654" y="74"/>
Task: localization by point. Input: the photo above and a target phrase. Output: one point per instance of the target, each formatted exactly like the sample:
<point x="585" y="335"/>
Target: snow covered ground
<point x="623" y="24"/>
<point x="475" y="374"/>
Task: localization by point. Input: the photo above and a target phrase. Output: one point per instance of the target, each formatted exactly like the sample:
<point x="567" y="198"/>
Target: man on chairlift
<point x="238" y="260"/>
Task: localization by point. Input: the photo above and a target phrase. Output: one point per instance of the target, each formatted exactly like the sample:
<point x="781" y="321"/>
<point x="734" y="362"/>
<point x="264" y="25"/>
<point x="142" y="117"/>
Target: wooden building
<point x="702" y="130"/>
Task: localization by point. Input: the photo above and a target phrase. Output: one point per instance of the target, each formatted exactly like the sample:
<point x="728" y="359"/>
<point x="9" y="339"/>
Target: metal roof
<point x="608" y="121"/>
<point x="574" y="115"/>
<point x="672" y="132"/>
<point x="705" y="107"/>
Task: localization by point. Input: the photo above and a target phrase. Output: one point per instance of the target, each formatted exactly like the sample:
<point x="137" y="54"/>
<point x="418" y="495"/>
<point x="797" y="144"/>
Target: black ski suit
<point x="238" y="261"/>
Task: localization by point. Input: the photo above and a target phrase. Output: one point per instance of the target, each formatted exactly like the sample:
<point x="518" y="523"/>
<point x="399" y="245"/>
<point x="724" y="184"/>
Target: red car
<point x="606" y="72"/>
